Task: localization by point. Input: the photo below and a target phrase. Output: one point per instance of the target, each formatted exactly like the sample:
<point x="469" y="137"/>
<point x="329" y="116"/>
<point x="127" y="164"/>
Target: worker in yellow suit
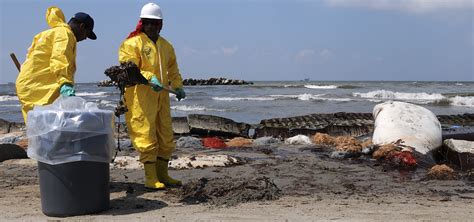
<point x="149" y="118"/>
<point x="48" y="70"/>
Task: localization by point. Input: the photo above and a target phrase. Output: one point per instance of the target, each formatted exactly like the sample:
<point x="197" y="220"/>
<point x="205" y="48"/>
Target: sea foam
<point x="8" y="98"/>
<point x="320" y="86"/>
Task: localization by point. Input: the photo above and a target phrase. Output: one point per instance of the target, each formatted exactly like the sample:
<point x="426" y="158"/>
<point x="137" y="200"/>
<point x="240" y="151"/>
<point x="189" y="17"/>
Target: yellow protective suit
<point x="148" y="117"/>
<point x="50" y="62"/>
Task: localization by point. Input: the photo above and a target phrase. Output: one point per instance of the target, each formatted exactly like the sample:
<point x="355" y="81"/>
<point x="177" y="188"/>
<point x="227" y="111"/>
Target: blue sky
<point x="397" y="40"/>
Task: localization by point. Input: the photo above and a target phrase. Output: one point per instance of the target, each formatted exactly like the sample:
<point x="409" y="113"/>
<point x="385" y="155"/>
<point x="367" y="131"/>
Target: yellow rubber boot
<point x="162" y="173"/>
<point x="151" y="180"/>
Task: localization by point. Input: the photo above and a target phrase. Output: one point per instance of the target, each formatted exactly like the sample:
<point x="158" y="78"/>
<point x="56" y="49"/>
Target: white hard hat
<point x="151" y="11"/>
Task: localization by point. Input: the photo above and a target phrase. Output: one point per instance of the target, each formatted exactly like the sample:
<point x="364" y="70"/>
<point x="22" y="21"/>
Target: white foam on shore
<point x="320" y="86"/>
<point x="8" y="98"/>
<point x="95" y="94"/>
<point x="194" y="108"/>
<point x="243" y="98"/>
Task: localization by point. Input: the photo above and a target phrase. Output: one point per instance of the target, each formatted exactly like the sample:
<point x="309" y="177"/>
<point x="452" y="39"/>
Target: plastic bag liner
<point x="70" y="130"/>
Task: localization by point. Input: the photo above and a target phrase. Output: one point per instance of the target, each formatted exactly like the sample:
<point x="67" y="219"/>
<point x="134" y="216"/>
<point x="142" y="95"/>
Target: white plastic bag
<point x="69" y="130"/>
<point x="416" y="126"/>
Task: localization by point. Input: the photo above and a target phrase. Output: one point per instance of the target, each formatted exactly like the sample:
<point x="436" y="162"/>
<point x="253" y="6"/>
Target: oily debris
<point x="228" y="191"/>
<point x="213" y="142"/>
<point x="342" y="143"/>
<point x="125" y="75"/>
<point x="384" y="150"/>
<point x="441" y="172"/>
<point x="239" y="142"/>
<point x="396" y="154"/>
<point x="324" y="139"/>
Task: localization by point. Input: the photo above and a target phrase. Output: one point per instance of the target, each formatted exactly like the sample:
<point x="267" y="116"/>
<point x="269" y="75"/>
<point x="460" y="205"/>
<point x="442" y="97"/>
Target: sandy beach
<point x="310" y="187"/>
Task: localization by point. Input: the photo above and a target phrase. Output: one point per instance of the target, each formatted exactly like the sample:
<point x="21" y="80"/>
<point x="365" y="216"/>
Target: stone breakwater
<point x="192" y="82"/>
<point x="214" y="81"/>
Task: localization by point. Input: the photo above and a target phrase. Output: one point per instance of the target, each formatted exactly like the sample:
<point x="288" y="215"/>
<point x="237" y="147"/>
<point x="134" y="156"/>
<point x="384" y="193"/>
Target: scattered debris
<point x="189" y="142"/>
<point x="343" y="154"/>
<point x="383" y="151"/>
<point x="127" y="163"/>
<point x="202" y="161"/>
<point x="402" y="159"/>
<point x="323" y="139"/>
<point x="13" y="137"/>
<point x="213" y="142"/>
<point x="298" y="140"/>
<point x="396" y="154"/>
<point x="228" y="191"/>
<point x="239" y="142"/>
<point x="368" y="150"/>
<point x="441" y="172"/>
<point x="347" y="143"/>
<point x="367" y="143"/>
<point x="266" y="141"/>
<point x="342" y="143"/>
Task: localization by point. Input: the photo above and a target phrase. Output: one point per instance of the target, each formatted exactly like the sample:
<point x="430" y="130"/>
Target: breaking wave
<point x="243" y="98"/>
<point x="107" y="103"/>
<point x="303" y="97"/>
<point x="194" y="108"/>
<point x="321" y="86"/>
<point x="462" y="101"/>
<point x="386" y="94"/>
<point x="419" y="98"/>
<point x="8" y="98"/>
<point x="96" y="94"/>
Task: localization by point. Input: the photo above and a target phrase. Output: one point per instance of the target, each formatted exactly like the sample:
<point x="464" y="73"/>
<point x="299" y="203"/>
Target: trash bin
<point x="74" y="188"/>
<point x="72" y="140"/>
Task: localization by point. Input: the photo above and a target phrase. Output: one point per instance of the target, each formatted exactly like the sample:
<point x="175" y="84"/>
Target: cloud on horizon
<point x="228" y="51"/>
<point x="414" y="6"/>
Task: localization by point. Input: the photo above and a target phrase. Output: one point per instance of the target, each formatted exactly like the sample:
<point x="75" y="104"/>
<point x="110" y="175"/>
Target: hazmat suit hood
<point x="55" y="17"/>
<point x="50" y="63"/>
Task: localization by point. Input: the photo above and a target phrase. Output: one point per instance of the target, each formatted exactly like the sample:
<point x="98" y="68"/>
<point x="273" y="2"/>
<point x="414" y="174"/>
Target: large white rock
<point x="416" y="126"/>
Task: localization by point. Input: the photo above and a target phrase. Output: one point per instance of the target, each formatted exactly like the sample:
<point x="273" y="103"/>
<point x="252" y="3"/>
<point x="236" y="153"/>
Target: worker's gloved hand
<point x="156" y="84"/>
<point x="67" y="89"/>
<point x="180" y="94"/>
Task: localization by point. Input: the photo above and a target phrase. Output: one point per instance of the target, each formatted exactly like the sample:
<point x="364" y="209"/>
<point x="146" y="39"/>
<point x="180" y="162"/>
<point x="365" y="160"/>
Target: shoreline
<point x="312" y="187"/>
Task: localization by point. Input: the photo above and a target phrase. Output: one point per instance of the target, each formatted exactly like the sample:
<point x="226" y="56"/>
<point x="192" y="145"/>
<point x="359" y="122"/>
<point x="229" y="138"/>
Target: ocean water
<point x="263" y="100"/>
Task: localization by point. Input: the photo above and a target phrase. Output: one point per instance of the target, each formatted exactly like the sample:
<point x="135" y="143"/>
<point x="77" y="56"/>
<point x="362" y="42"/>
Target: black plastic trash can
<point x="74" y="188"/>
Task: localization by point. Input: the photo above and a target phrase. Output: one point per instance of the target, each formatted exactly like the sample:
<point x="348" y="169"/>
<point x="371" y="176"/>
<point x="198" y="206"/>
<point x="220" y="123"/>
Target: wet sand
<point x="310" y="186"/>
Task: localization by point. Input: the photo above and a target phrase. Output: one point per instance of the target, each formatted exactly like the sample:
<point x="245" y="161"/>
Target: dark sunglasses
<point x="151" y="22"/>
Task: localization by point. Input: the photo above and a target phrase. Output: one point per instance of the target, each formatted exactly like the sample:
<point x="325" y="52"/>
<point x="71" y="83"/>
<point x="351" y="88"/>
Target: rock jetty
<point x="106" y="83"/>
<point x="191" y="82"/>
<point x="214" y="81"/>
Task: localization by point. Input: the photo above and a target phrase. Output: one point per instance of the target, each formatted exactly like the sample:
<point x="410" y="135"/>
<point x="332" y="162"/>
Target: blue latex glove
<point x="180" y="94"/>
<point x="156" y="84"/>
<point x="67" y="90"/>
